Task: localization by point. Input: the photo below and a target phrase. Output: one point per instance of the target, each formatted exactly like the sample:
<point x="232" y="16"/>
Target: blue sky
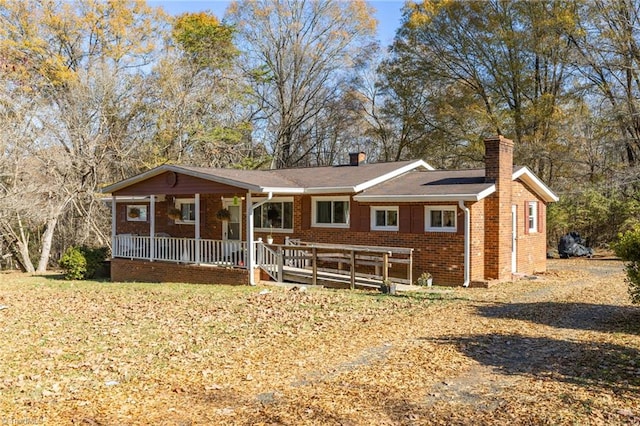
<point x="388" y="12"/>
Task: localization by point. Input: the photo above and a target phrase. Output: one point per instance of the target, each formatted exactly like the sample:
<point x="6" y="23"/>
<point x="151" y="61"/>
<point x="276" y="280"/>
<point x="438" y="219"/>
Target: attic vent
<point x="356" y="158"/>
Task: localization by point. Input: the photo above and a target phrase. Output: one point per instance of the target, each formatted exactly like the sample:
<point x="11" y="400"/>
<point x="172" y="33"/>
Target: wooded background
<point x="96" y="91"/>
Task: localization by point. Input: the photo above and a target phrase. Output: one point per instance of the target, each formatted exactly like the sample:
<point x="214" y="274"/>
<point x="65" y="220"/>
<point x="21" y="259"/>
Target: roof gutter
<point x="467" y="243"/>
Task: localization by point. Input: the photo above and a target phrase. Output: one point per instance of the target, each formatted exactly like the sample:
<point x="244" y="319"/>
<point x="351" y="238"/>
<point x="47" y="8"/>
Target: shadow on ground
<point x="580" y="316"/>
<point x="599" y="365"/>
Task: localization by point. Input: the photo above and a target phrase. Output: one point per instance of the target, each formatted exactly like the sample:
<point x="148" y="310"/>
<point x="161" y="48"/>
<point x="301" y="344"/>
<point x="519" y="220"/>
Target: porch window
<point x="187" y="207"/>
<point x="274" y="215"/>
<point x="384" y="218"/>
<point x="136" y="213"/>
<point x="441" y="219"/>
<point x="532" y="210"/>
<point x="330" y="212"/>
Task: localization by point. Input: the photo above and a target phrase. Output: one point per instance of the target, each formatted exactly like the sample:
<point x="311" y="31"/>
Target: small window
<point x="136" y="213"/>
<point x="533" y="216"/>
<point x="331" y="212"/>
<point x="384" y="218"/>
<point x="274" y="215"/>
<point x="441" y="219"/>
<point x="187" y="207"/>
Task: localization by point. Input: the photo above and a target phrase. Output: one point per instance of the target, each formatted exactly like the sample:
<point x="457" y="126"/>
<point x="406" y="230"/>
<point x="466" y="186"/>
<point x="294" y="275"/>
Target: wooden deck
<point x="337" y="265"/>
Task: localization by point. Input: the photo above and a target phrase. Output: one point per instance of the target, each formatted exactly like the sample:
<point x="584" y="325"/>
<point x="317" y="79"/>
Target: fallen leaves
<point x="532" y="352"/>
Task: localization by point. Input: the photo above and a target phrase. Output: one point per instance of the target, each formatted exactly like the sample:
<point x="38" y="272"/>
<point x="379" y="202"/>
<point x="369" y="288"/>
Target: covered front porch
<point x="180" y="250"/>
<point x="185" y="218"/>
<point x="212" y="229"/>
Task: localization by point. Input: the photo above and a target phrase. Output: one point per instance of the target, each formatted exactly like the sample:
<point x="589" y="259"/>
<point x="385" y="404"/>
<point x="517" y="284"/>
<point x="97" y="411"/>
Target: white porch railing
<point x="183" y="250"/>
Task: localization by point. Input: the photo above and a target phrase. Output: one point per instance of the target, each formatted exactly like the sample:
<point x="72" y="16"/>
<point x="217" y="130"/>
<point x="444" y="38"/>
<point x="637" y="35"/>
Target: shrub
<point x="80" y="263"/>
<point x="628" y="248"/>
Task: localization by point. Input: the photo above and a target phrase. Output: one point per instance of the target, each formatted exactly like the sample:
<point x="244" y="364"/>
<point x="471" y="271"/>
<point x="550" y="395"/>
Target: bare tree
<point x="298" y="54"/>
<point x="79" y="65"/>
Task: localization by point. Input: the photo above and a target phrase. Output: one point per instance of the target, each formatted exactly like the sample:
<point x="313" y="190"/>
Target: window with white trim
<point x="187" y="208"/>
<point x="276" y="215"/>
<point x="330" y="212"/>
<point x="441" y="218"/>
<point x="532" y="207"/>
<point x="384" y="218"/>
<point x="136" y="213"/>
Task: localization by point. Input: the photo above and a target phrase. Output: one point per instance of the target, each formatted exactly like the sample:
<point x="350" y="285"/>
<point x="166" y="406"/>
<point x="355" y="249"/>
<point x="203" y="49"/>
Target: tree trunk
<point x="47" y="241"/>
<point x="12" y="245"/>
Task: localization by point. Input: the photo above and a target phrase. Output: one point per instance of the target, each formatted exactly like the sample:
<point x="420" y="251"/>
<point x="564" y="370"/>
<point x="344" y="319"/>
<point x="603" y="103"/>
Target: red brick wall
<point x="477" y="252"/>
<point x="210" y="228"/>
<point x="531" y="247"/>
<point x="440" y="253"/>
<point x="123" y="270"/>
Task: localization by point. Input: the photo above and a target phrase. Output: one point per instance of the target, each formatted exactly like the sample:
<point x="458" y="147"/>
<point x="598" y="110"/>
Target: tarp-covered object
<point x="572" y="245"/>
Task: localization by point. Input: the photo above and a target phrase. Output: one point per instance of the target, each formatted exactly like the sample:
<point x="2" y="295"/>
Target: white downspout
<point x="251" y="248"/>
<point x="467" y="243"/>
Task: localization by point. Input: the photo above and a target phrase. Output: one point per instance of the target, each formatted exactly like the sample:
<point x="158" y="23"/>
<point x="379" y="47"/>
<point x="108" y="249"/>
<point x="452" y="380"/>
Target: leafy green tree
<point x="475" y="68"/>
<point x="199" y="98"/>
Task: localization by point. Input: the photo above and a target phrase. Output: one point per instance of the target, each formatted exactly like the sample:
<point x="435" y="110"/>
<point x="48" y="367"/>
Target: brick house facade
<point x="466" y="227"/>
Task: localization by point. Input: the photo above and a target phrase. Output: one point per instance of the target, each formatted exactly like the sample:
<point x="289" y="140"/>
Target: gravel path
<point x="504" y="360"/>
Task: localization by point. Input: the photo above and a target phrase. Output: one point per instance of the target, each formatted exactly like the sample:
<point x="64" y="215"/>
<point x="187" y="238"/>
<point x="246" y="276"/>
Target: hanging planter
<point x="223" y="214"/>
<point x="174" y="213"/>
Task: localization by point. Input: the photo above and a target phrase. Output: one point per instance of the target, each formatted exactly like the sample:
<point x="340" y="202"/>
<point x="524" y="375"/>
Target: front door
<point x="232" y="233"/>
<point x="514" y="239"/>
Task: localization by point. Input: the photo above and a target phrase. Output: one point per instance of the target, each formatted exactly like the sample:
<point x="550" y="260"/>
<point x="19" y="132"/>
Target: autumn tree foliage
<point x="77" y="66"/>
<point x="199" y="97"/>
<point x="92" y="92"/>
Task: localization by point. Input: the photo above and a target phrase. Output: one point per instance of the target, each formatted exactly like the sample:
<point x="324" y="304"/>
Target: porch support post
<point x="353" y="269"/>
<point x="114" y="210"/>
<point x="197" y="229"/>
<point x="152" y="228"/>
<point x="251" y="254"/>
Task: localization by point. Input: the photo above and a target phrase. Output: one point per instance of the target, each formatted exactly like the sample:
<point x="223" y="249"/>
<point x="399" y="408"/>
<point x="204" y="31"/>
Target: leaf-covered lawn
<point x="563" y="349"/>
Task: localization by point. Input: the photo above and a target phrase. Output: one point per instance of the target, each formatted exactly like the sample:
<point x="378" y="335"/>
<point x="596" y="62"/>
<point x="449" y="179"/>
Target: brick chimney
<point x="498" y="226"/>
<point x="356" y="158"/>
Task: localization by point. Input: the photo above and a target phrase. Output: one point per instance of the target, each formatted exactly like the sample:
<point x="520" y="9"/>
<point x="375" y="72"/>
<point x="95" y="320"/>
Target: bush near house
<point x="80" y="263"/>
<point x="628" y="248"/>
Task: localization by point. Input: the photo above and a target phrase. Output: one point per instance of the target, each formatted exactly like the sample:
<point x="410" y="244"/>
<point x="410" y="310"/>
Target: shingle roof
<point x="392" y="182"/>
<point x="327" y="179"/>
<point x="434" y="185"/>
<point x="309" y="177"/>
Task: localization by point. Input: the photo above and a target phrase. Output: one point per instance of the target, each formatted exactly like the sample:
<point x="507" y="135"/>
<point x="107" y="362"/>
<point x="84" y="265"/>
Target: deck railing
<point x="182" y="250"/>
<point x="274" y="259"/>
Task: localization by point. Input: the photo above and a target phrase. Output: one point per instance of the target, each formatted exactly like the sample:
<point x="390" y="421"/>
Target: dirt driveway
<point x="572" y="334"/>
